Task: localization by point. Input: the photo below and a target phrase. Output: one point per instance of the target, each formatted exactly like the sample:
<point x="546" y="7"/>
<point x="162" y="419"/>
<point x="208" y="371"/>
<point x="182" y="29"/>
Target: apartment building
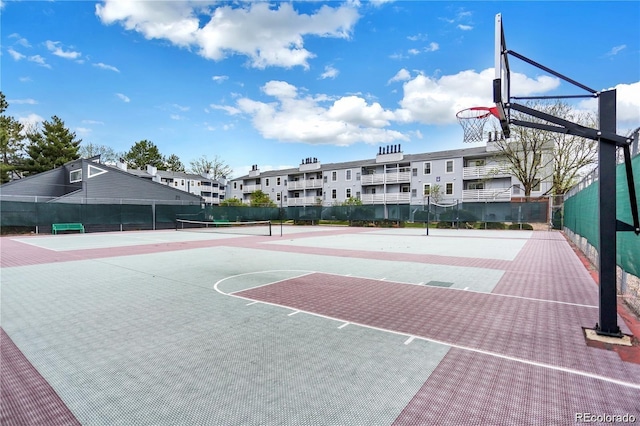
<point x="211" y="190"/>
<point x="390" y="178"/>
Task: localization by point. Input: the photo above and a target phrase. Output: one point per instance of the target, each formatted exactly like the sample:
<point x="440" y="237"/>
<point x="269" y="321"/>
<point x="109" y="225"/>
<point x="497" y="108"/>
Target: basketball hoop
<point x="473" y="120"/>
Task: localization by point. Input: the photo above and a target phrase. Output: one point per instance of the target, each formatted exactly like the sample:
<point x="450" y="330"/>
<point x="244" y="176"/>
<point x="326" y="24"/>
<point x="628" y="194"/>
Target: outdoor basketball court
<point x="323" y="325"/>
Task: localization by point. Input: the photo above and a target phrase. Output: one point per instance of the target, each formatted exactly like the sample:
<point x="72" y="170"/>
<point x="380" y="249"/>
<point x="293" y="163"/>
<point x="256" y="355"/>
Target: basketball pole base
<point x="608" y="333"/>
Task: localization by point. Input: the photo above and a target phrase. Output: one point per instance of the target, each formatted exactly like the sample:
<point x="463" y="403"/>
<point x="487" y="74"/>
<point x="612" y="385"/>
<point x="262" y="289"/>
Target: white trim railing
<point x="484" y="171"/>
<point x="486" y="194"/>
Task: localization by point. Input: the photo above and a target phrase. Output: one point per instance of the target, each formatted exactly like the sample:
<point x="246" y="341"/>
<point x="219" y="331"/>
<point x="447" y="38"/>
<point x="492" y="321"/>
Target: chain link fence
<point x="37" y="214"/>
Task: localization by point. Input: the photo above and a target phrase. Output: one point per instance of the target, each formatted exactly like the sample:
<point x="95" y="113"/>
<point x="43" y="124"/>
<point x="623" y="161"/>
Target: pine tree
<point x="11" y="142"/>
<point x="52" y="147"/>
<point x="174" y="164"/>
<point x="144" y="153"/>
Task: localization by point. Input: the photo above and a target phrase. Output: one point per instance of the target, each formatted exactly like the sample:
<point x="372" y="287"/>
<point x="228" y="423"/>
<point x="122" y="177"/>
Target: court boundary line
<point x="309" y="272"/>
<point x="456" y="346"/>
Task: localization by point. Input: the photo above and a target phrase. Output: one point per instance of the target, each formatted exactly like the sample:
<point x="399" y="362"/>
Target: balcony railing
<point x="486" y="194"/>
<point x="391" y="198"/>
<point x="381" y="178"/>
<point x="484" y="172"/>
<point x="302" y="201"/>
<point x="304" y="184"/>
<point x="250" y="188"/>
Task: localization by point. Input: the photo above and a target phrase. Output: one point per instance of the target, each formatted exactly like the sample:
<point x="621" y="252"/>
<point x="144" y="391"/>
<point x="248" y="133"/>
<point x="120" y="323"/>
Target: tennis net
<point x="260" y="227"/>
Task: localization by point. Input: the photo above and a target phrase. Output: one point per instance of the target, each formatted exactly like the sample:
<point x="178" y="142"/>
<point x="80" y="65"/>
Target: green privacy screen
<point x="112" y="217"/>
<point x="581" y="217"/>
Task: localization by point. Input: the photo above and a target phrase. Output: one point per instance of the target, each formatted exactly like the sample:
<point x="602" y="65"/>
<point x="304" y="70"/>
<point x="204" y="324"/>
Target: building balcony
<point x="304" y="184"/>
<point x="485" y="172"/>
<point x="382" y="178"/>
<point x="302" y="201"/>
<point x="485" y="195"/>
<point x="247" y="189"/>
<point x="389" y="198"/>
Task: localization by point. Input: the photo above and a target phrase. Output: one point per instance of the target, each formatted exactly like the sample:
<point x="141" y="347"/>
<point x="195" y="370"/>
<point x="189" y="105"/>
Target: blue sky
<point x="273" y="83"/>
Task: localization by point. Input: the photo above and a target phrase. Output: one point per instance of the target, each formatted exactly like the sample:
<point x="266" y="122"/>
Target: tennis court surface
<point x="319" y="326"/>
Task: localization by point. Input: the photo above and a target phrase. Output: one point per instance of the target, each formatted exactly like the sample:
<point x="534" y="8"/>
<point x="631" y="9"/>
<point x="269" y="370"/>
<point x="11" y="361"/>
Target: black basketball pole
<point x="608" y="324"/>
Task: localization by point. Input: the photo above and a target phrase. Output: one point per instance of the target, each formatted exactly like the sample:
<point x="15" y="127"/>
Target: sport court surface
<point x="323" y="325"/>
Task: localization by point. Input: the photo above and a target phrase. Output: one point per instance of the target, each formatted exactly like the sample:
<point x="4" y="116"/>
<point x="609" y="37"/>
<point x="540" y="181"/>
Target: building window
<point x="537" y="158"/>
<point x="449" y="188"/>
<point x="358" y="196"/>
<point x="334" y="176"/>
<point x="476" y="185"/>
<point x="266" y="182"/>
<point x="449" y="166"/>
<point x="414" y="193"/>
<point x="176" y="183"/>
<point x="347" y="174"/>
<point x="278" y="196"/>
<point x="334" y="194"/>
<point x="277" y="181"/>
<point x="75" y="176"/>
<point x="358" y="174"/>
<point x="235" y="185"/>
<point x="182" y="182"/>
<point x="536" y="185"/>
<point x="404" y="188"/>
<point x="414" y="172"/>
<point x="324" y="179"/>
<point x="348" y="193"/>
<point x="426" y="189"/>
<point x="427" y="168"/>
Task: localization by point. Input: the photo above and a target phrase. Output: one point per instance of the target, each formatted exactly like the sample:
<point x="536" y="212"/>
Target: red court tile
<point x="539" y="331"/>
<point x="25" y="396"/>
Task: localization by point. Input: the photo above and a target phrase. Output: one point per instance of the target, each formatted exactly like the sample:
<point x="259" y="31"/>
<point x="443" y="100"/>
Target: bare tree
<point x="216" y="167"/>
<point x="534" y="155"/>
<point x="106" y="153"/>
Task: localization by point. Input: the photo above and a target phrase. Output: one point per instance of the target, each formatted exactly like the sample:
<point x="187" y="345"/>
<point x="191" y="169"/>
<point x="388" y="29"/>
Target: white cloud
<point x="229" y="109"/>
<point x="268" y="35"/>
<point x="176" y="117"/>
<point x="28" y="101"/>
<point x="106" y="67"/>
<point x="25" y="79"/>
<point x="54" y="47"/>
<point x="413" y="52"/>
<point x="92" y="122"/>
<point x="123" y="98"/>
<point x="418" y="37"/>
<point x="308" y="119"/>
<point x="220" y="78"/>
<point x="15" y="55"/>
<point x="39" y="60"/>
<point x="432" y="47"/>
<point x="30" y="122"/>
<point x="83" y="130"/>
<point x="181" y="107"/>
<point x="437" y="100"/>
<point x="465" y="27"/>
<point x="20" y="40"/>
<point x="402" y="75"/>
<point x="329" y="72"/>
<point x="616" y="49"/>
<point x="627" y="105"/>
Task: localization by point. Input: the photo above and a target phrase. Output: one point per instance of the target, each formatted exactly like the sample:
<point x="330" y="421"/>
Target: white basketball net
<point x="472" y="121"/>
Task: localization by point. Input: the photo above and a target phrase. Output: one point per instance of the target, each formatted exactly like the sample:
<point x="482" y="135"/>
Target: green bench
<point x="57" y="227"/>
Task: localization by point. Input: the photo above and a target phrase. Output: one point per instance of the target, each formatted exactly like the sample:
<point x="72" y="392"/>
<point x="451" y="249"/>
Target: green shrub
<point x="524" y="226"/>
<point x="492" y="225"/>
